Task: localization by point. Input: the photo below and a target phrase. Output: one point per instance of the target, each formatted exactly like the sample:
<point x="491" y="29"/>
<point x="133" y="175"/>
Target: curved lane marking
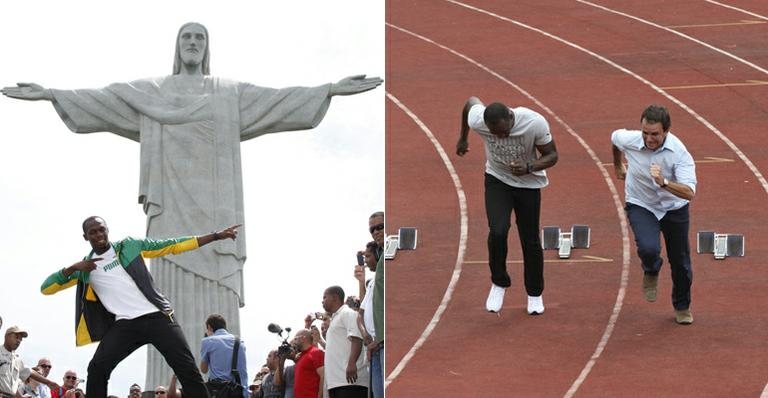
<point x="462" y="242"/>
<point x="614" y="194"/>
<point x="678" y="33"/>
<point x="737" y="9"/>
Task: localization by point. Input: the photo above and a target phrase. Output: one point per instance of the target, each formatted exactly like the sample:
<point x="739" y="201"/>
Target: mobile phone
<point x="319" y="315"/>
<point x="360" y="259"/>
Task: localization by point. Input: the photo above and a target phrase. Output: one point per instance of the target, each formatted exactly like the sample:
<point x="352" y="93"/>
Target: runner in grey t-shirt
<point x="518" y="148"/>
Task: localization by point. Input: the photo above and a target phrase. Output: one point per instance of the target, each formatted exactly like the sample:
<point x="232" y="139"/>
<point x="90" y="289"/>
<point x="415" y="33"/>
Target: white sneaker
<point x="535" y="305"/>
<point x="495" y="298"/>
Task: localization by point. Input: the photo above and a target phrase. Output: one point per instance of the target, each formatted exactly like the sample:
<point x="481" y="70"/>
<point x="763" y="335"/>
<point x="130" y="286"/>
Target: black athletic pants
<point x="127" y="335"/>
<point x="500" y="200"/>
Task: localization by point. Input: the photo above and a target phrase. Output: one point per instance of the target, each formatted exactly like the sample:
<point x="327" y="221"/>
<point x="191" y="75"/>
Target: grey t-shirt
<point x="268" y="389"/>
<point x="289" y="378"/>
<point x="529" y="130"/>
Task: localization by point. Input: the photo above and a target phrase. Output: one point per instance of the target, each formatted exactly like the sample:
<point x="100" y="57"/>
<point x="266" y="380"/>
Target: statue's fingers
<point x="366" y="87"/>
<point x="12" y="92"/>
<point x="373" y="81"/>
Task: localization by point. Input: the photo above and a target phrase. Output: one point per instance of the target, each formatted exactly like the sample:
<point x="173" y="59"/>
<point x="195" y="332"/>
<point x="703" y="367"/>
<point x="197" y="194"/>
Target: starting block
<point x="722" y="245"/>
<point x="407" y="238"/>
<point x="553" y="238"/>
<point x="390" y="247"/>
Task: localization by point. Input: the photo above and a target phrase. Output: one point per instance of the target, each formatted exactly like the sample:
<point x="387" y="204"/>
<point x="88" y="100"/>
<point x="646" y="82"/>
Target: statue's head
<point x="192" y="47"/>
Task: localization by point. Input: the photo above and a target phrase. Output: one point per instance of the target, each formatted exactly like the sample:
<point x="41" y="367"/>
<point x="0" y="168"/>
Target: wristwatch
<point x="666" y="182"/>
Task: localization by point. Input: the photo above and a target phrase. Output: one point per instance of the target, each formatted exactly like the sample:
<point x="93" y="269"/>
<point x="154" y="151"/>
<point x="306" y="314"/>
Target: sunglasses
<point x="70" y="377"/>
<point x="45" y="366"/>
<point x="377" y="227"/>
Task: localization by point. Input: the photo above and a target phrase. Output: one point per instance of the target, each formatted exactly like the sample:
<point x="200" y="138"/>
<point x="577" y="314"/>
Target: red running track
<point x="588" y="70"/>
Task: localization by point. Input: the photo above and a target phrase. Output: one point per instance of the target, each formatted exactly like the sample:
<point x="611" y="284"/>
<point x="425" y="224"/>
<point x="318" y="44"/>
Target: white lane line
<point x="739" y="10"/>
<point x="618" y="204"/>
<point x="609" y="329"/>
<point x="764" y="394"/>
<point x="464" y="222"/>
<point x="645" y="81"/>
<point x="683" y="35"/>
<point x="712" y="25"/>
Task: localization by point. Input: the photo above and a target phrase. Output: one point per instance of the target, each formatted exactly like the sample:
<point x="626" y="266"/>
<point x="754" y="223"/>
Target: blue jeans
<point x="674" y="226"/>
<point x="377" y="373"/>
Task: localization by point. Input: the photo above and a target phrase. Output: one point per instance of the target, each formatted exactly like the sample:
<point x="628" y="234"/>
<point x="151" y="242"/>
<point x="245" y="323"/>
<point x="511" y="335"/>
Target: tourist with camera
<point x="309" y="368"/>
<point x="217" y="353"/>
<point x="271" y="385"/>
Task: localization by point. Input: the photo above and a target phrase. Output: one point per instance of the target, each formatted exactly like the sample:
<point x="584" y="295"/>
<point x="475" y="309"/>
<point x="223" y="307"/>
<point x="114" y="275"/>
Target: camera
<point x="285" y="347"/>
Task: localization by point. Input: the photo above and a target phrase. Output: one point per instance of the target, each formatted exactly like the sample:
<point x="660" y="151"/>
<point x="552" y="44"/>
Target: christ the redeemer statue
<point x="190" y="126"/>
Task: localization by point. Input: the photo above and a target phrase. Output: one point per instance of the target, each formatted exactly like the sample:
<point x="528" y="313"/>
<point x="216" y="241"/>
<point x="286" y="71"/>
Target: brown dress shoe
<point x="650" y="283"/>
<point x="683" y="317"/>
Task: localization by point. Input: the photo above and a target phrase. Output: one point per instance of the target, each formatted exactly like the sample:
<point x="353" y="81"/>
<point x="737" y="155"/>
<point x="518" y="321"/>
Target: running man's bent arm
<point x="548" y="157"/>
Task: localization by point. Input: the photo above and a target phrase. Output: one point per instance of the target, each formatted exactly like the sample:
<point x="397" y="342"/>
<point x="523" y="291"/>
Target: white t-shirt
<point x="117" y="290"/>
<point x="338" y="346"/>
<point x="367" y="306"/>
<point x="529" y="130"/>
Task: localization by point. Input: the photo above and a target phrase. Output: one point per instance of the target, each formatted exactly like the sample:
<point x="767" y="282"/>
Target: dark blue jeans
<point x="500" y="200"/>
<point x="674" y="226"/>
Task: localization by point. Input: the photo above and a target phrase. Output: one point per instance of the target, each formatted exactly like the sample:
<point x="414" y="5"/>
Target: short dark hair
<point x="377" y="214"/>
<point x="216" y="322"/>
<point x="336" y="291"/>
<point x="89" y="219"/>
<point x="657" y="114"/>
<point x="495" y="112"/>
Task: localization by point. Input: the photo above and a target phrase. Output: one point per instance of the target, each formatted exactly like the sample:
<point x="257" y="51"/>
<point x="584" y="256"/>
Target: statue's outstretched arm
<point x="354" y="85"/>
<point x="28" y="91"/>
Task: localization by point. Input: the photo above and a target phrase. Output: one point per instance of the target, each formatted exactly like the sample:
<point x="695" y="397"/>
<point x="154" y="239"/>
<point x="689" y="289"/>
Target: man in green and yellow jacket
<point x="119" y="305"/>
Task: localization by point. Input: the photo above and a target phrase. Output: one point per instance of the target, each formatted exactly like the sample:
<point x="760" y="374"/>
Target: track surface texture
<point x="589" y="68"/>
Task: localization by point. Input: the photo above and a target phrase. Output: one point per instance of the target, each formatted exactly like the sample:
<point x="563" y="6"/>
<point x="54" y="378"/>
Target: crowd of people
<point x="338" y="353"/>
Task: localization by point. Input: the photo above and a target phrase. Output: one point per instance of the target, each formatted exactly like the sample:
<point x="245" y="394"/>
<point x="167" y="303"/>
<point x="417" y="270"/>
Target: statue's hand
<point x="27" y="91"/>
<point x="354" y="85"/>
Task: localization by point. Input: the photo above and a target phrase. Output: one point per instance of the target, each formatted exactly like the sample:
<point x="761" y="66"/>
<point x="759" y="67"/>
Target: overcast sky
<point x="308" y="194"/>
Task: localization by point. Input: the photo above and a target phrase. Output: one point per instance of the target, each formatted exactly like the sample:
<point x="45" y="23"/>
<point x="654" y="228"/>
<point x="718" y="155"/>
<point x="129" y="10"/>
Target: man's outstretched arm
<point x="158" y="248"/>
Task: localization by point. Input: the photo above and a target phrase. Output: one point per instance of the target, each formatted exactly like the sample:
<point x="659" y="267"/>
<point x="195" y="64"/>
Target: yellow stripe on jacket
<point x="181" y="247"/>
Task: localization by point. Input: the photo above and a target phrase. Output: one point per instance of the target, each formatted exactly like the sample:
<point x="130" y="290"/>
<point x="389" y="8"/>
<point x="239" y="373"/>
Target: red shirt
<point x="58" y="392"/>
<point x="306" y="379"/>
